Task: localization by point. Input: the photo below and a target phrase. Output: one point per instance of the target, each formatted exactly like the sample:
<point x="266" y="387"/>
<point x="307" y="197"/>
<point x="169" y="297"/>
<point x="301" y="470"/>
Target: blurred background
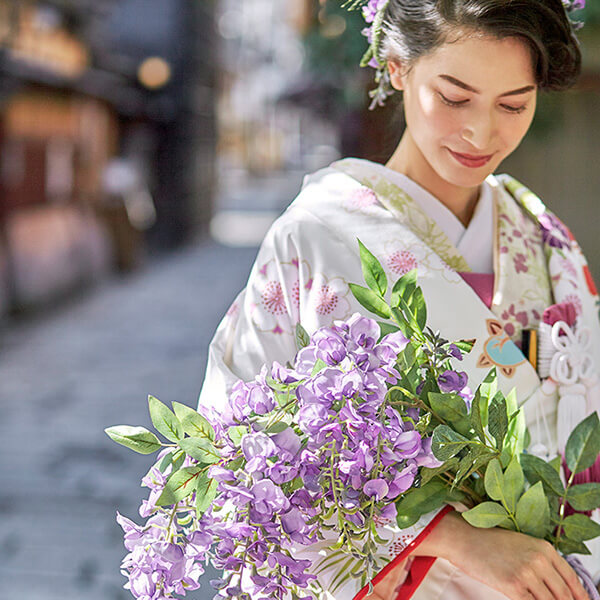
<point x="145" y="148"/>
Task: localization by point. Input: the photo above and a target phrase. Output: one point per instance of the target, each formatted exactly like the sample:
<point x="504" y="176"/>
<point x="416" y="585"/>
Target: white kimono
<point x="310" y="255"/>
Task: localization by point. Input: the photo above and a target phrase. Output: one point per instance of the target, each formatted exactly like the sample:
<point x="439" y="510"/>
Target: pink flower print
<point x="522" y="318"/>
<point x="296" y="294"/>
<point x="273" y="299"/>
<point x="361" y="198"/>
<point x="509" y="328"/>
<point x="568" y="267"/>
<point x="503" y="249"/>
<point x="327" y="300"/>
<point x="233" y="310"/>
<point x="401" y="262"/>
<point x="520" y="259"/>
<point x="399" y="544"/>
<point x="576" y="301"/>
<point x="517" y="233"/>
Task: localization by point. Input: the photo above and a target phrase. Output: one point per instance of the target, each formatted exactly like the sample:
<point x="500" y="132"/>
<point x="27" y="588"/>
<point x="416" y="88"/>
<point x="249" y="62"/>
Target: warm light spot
<point x="154" y="72"/>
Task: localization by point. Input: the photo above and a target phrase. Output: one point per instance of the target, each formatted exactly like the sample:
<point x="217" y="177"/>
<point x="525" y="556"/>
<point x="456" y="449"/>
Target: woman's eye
<point x="514" y="109"/>
<point x="452" y="102"/>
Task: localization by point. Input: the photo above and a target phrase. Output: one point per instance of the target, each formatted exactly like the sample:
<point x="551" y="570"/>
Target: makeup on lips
<point x="469" y="160"/>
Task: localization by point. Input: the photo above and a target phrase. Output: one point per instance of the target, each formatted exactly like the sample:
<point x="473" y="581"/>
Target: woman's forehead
<point x="481" y="61"/>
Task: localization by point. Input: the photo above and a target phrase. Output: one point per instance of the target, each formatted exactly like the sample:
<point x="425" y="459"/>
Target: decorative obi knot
<point x="565" y="361"/>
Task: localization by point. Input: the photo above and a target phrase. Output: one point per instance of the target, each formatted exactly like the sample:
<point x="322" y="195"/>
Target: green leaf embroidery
<point x="138" y="439"/>
<point x="164" y="420"/>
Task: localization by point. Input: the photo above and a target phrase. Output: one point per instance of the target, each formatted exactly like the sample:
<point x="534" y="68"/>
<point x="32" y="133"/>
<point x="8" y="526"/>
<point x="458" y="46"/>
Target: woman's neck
<point x="409" y="160"/>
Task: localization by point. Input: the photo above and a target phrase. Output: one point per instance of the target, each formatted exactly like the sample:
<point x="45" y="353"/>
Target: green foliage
<point x="585" y="496"/>
<point x="447" y="443"/>
<point x="206" y="490"/>
<point x="533" y="512"/>
<point x="486" y="515"/>
<point x="420" y="501"/>
<point x="200" y="449"/>
<point x="498" y="419"/>
<point x="138" y="439"/>
<point x="179" y="486"/>
<point x="583" y="445"/>
<point x="193" y="423"/>
<point x="537" y="469"/>
<point x="580" y="528"/>
<point x="372" y="270"/>
<point x="302" y="337"/>
<point x="371" y="301"/>
<point x="164" y="420"/>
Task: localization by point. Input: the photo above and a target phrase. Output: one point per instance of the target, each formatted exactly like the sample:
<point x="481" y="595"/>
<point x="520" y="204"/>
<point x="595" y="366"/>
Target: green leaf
<point x="428" y="474"/>
<point x="277" y="427"/>
<point x="486" y="515"/>
<point x="404" y="288"/>
<point x="419" y="501"/>
<point x="475" y="416"/>
<point x="583" y="445"/>
<point x="200" y="449"/>
<point x="302" y="337"/>
<point x="451" y="408"/>
<point x="193" y="423"/>
<point x="498" y="419"/>
<point x="537" y="469"/>
<point x="179" y="485"/>
<point x="387" y="328"/>
<point x="138" y="439"/>
<point x="494" y="480"/>
<point x="236" y="433"/>
<point x="567" y="546"/>
<point x="371" y="301"/>
<point x="318" y="366"/>
<point x="514" y="482"/>
<point x="580" y="528"/>
<point x="585" y="496"/>
<point x="419" y="308"/>
<point x="164" y="420"/>
<point x="206" y="491"/>
<point x="465" y="345"/>
<point x="373" y="272"/>
<point x="533" y="512"/>
<point x="446" y="442"/>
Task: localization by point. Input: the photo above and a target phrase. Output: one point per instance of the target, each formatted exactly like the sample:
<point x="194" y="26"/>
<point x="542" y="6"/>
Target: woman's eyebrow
<point x="466" y="86"/>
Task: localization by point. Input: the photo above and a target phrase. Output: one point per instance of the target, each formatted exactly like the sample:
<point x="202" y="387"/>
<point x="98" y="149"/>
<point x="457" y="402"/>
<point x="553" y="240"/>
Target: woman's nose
<point x="478" y="131"/>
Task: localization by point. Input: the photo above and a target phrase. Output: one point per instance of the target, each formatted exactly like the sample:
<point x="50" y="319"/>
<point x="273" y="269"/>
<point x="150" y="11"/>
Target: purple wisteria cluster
<point x="297" y="445"/>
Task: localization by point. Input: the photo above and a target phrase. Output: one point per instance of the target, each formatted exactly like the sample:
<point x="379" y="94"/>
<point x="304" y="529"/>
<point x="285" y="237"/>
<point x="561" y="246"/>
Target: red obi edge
<point x="420" y="565"/>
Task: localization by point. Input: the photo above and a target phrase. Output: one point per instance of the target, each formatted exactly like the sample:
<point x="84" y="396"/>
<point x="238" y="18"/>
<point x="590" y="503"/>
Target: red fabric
<point x="419" y="567"/>
<point x="482" y="284"/>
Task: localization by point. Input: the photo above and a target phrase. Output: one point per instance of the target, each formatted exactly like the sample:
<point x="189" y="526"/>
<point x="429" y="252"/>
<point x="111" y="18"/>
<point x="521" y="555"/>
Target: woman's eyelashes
<point x="459" y="103"/>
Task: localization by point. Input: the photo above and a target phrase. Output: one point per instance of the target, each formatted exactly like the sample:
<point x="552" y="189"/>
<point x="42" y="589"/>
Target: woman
<point x="492" y="261"/>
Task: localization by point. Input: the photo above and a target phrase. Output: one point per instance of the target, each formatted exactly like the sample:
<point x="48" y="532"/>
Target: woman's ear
<point x="396" y="74"/>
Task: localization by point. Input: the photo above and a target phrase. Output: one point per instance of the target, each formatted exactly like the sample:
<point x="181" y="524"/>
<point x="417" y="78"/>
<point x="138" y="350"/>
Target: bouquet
<point x="372" y="422"/>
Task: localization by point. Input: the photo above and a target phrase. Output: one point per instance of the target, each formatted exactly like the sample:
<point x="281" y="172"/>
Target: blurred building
<point x="107" y="137"/>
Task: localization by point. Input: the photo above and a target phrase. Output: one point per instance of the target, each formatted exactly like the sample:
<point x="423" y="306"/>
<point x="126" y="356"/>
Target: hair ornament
<point x="373" y="12"/>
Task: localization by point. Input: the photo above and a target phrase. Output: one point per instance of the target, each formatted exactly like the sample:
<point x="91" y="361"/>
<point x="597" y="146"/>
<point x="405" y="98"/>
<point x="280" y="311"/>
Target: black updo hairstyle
<point x="414" y="28"/>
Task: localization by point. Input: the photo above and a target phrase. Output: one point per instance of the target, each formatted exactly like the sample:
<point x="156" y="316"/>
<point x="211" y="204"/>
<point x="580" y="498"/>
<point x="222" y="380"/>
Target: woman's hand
<point x="519" y="566"/>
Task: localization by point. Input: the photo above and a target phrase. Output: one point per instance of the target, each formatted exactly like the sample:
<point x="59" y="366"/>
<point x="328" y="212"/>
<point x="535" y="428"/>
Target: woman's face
<point x="468" y="105"/>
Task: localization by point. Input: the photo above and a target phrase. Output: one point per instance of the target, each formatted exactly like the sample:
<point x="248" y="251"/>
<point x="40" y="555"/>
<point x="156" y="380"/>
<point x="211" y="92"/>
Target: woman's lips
<point x="469" y="160"/>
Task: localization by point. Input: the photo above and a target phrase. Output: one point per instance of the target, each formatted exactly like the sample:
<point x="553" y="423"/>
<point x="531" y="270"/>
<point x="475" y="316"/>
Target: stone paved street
<point x="65" y="377"/>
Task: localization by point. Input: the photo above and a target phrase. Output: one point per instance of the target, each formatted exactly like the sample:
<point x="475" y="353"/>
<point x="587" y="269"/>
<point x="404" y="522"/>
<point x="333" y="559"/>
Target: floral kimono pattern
<point x="301" y="275"/>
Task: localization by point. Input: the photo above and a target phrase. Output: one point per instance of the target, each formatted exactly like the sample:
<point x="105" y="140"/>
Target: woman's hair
<point x="414" y="28"/>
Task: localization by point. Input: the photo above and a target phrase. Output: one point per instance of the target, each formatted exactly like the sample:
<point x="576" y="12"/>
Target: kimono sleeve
<point x="259" y="326"/>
